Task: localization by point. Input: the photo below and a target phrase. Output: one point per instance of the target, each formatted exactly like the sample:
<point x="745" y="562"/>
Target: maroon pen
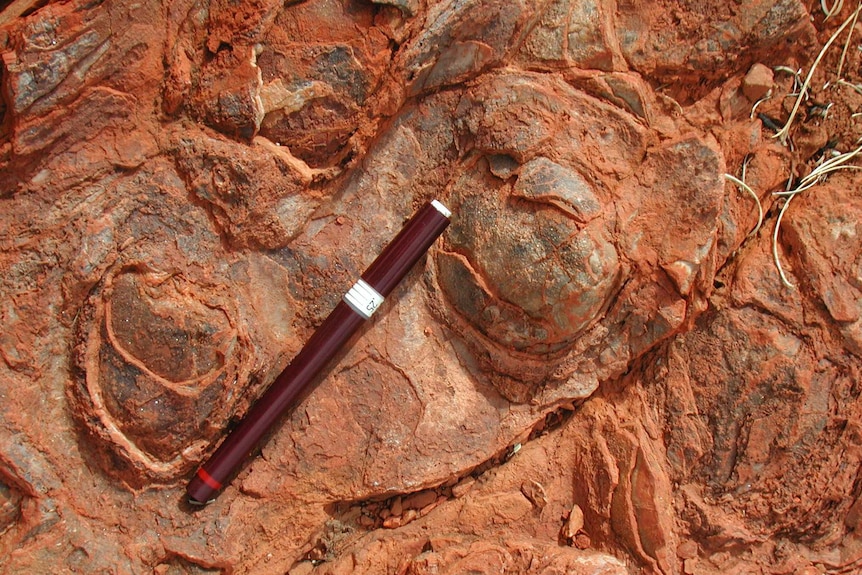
<point x="356" y="306"/>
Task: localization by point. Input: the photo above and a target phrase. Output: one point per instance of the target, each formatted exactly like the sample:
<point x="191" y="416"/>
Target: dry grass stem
<point x="783" y="133"/>
<point x="775" y="257"/>
<point x="747" y="188"/>
<point x="759" y="102"/>
<point x="843" y="82"/>
<point x="855" y="16"/>
<point x="830" y="12"/>
<point x="816" y="176"/>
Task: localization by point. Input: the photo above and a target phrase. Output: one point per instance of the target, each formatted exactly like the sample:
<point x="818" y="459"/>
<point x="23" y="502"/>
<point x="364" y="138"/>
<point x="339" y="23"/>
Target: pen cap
<point x="407" y="248"/>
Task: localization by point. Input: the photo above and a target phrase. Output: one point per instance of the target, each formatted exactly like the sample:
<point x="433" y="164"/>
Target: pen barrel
<point x="323" y="345"/>
<point x="387" y="270"/>
<point x="402" y="253"/>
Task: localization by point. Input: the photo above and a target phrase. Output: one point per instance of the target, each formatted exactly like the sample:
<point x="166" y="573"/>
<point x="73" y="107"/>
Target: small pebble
<point x="420" y="499"/>
<point x="409" y="516"/>
<point x="757" y="82"/>
<point x="575" y="522"/>
<point x="427" y="509"/>
<point x="463" y="486"/>
<point x="534" y="491"/>
<point x="582" y="541"/>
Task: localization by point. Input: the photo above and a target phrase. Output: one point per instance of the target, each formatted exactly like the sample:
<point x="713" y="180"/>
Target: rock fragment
<point x="757" y="82"/>
<point x="575" y="522"/>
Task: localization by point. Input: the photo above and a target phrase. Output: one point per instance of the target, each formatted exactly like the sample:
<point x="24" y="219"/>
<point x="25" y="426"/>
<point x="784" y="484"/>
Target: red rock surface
<point x="597" y="370"/>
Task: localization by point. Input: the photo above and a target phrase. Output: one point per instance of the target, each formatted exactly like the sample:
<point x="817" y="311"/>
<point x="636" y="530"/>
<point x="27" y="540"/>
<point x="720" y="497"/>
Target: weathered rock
<point x="460" y="40"/>
<point x="188" y="190"/>
<point x="257" y="195"/>
<point x="828" y="240"/>
<point x="757" y="82"/>
<point x="575" y="34"/>
<point x="319" y="94"/>
<point x="693" y="49"/>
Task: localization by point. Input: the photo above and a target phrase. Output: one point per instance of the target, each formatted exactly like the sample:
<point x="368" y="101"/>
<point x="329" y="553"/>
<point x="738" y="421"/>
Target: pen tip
<point x="195" y="502"/>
